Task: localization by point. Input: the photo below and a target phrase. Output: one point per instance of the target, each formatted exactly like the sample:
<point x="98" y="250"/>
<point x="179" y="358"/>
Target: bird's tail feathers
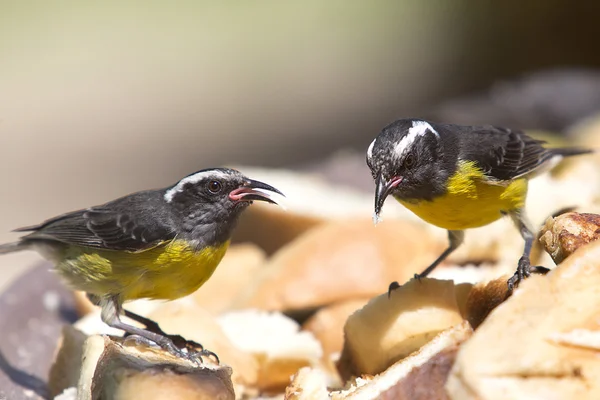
<point x="571" y="151"/>
<point x="12" y="247"/>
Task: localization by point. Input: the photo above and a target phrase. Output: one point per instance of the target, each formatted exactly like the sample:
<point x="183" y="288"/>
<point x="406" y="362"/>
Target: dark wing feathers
<point x="504" y="154"/>
<point x="110" y="226"/>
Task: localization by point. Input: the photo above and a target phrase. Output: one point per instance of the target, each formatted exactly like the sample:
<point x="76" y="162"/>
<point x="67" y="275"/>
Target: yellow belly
<point x="166" y="272"/>
<point x="470" y="201"/>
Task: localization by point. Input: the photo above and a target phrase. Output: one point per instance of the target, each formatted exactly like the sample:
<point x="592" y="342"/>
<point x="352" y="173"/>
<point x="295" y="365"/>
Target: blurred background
<point x="101" y="99"/>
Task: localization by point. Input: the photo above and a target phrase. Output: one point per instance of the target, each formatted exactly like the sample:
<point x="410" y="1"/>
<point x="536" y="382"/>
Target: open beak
<point x="255" y="190"/>
<point x="382" y="190"/>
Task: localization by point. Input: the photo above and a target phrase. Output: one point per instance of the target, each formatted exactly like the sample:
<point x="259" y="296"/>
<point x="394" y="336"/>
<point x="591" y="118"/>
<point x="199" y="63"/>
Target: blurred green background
<point x="100" y="99"/>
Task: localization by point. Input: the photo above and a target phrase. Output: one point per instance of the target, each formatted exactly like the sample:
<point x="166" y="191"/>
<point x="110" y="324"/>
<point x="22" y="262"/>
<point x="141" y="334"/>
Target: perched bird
<point x="460" y="177"/>
<point x="154" y="244"/>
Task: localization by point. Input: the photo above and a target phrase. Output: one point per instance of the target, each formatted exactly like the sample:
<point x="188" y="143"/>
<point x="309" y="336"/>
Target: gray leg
<point x="148" y="323"/>
<point x="524" y="268"/>
<point x="455" y="239"/>
<point x="111" y="316"/>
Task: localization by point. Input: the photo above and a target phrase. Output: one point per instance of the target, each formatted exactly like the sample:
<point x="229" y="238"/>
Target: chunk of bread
<point x="389" y="329"/>
<point x="562" y="235"/>
<point x="420" y="376"/>
<point x="541" y="342"/>
<point x="111" y="370"/>
<point x="341" y="260"/>
<point x="276" y="343"/>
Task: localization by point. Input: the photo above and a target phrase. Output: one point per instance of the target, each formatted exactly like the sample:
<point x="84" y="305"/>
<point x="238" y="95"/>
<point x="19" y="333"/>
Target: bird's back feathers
<point x="504" y="154"/>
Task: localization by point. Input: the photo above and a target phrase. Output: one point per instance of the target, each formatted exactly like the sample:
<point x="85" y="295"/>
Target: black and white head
<point x="407" y="161"/>
<point x="216" y="197"/>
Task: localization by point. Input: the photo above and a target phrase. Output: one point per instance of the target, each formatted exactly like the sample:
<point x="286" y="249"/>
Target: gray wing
<point x="117" y="225"/>
<point x="505" y="154"/>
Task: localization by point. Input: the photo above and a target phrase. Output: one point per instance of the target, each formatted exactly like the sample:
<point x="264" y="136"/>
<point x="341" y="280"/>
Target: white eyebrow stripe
<point x="370" y="149"/>
<point x="195" y="178"/>
<point x="419" y="128"/>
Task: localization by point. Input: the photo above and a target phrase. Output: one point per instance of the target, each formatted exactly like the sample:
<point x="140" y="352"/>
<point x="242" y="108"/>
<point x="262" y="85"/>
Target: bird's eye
<point x="409" y="161"/>
<point x="214" y="186"/>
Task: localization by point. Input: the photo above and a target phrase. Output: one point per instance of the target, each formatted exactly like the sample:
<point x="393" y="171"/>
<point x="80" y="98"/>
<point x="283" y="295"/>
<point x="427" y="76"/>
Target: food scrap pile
<point x="301" y="310"/>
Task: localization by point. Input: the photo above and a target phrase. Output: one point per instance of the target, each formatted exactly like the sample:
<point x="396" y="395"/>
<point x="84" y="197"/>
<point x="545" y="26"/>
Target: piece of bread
<point x="111" y="370"/>
<point x="525" y="348"/>
<point x="339" y="261"/>
<point x="308" y="384"/>
<point x="389" y="329"/>
<point x="327" y="325"/>
<point x="562" y="235"/>
<point x="420" y="376"/>
<point x="276" y="343"/>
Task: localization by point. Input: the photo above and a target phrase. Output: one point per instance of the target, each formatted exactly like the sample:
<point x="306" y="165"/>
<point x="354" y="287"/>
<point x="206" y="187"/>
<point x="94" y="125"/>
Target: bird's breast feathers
<point x="169" y="271"/>
<point x="471" y="199"/>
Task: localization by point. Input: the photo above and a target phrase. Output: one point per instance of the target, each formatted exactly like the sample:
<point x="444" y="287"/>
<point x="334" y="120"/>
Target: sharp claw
<point x="393" y="286"/>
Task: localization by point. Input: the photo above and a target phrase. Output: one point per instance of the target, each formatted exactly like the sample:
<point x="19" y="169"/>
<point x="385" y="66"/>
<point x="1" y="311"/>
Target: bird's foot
<point x="178" y="341"/>
<point x="524" y="271"/>
<point x="189" y="350"/>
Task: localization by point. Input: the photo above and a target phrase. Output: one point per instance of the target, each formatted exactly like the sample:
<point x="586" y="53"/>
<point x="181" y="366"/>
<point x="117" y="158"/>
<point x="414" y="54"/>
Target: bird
<point x="154" y="244"/>
<point x="459" y="177"/>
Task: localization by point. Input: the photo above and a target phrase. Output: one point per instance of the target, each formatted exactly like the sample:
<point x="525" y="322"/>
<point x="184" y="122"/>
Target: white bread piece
<point x="308" y="384"/>
<point x="521" y="351"/>
<point x="390" y="383"/>
<point x="276" y="343"/>
<point x="341" y="260"/>
<point x="114" y="371"/>
<point x="389" y="329"/>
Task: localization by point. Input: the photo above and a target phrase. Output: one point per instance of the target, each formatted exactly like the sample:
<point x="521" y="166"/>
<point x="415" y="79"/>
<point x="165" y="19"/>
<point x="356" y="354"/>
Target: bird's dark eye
<point x="409" y="161"/>
<point x="214" y="186"/>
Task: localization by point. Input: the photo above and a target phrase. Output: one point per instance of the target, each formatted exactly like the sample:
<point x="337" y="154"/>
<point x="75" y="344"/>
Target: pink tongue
<point x="395" y="181"/>
<point x="237" y="194"/>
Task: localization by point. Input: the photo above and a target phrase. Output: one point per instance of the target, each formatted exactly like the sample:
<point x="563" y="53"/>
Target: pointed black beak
<point x="255" y="190"/>
<point x="382" y="190"/>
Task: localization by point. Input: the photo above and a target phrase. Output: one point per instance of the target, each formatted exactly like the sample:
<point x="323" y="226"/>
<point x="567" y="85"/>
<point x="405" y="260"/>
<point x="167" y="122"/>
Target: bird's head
<point x="214" y="198"/>
<point x="406" y="161"/>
